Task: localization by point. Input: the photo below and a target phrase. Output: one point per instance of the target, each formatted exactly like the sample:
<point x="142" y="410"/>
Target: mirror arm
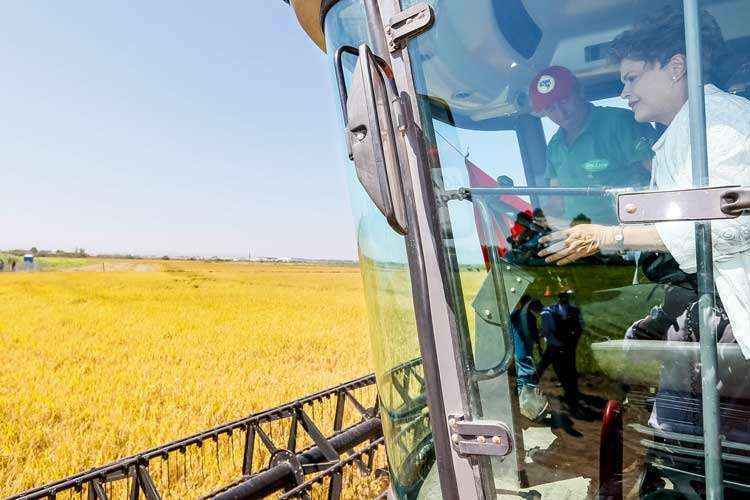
<point x="343" y="94"/>
<point x="340" y="80"/>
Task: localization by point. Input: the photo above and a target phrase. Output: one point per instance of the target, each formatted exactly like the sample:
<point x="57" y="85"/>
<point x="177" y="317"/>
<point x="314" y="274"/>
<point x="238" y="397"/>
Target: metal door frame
<point x="447" y="388"/>
<point x="704" y="257"/>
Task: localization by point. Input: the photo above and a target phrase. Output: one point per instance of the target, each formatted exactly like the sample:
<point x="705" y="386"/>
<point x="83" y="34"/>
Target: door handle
<point x="735" y="201"/>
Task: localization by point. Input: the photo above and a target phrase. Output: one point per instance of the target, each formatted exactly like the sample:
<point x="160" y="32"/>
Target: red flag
<point x="504" y="222"/>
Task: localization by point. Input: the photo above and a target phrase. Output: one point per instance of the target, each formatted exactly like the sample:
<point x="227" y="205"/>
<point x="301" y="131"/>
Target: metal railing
<point x="277" y="449"/>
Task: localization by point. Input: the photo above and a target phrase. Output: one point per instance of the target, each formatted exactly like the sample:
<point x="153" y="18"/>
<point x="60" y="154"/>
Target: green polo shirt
<point x="609" y="152"/>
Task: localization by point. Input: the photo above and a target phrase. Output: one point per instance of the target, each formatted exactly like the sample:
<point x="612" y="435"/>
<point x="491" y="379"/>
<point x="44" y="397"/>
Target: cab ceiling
<point x="472" y="67"/>
<point x="575" y="11"/>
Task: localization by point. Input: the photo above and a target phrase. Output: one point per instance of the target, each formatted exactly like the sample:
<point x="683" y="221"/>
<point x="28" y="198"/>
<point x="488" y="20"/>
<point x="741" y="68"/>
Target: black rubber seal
<point x="325" y="6"/>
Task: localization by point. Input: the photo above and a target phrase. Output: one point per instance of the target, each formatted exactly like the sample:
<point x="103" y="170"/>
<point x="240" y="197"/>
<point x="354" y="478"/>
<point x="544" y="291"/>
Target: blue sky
<point x="190" y="128"/>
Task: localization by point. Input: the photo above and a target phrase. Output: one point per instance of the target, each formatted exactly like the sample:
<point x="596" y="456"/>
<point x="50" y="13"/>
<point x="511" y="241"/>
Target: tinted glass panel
<point x="605" y="388"/>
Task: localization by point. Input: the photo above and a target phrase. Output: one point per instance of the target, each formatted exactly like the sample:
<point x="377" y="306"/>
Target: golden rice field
<point x="112" y="358"/>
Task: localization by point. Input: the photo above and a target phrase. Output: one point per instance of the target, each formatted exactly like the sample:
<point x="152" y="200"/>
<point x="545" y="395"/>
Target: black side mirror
<point x="371" y="136"/>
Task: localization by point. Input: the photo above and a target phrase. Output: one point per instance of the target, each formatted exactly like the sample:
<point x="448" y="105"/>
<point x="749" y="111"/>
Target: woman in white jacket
<point x="653" y="70"/>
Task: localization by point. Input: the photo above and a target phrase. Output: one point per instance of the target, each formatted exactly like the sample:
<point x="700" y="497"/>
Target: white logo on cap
<point x="546" y="84"/>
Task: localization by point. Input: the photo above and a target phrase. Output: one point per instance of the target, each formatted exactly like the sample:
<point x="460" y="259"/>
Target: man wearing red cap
<point x="594" y="147"/>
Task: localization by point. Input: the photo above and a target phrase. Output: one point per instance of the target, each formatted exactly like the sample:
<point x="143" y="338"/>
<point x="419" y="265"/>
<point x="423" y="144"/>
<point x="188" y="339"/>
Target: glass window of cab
<point x="546" y="113"/>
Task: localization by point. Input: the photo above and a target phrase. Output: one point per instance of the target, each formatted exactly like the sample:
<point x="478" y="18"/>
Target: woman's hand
<point x="578" y="242"/>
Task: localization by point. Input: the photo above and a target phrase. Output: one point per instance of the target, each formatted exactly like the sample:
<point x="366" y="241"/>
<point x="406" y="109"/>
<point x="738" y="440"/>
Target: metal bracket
<point x="288" y="457"/>
<point x="408" y="24"/>
<point x="481" y="437"/>
<point x="697" y="204"/>
<point x="460" y="194"/>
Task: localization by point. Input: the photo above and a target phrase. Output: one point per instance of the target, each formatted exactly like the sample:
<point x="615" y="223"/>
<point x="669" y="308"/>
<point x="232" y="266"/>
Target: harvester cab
<point x="487" y="143"/>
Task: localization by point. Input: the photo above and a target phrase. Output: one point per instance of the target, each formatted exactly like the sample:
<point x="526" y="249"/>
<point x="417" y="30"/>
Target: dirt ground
<point x="574" y="451"/>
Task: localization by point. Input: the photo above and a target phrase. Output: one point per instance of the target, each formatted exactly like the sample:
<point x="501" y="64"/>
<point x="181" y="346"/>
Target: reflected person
<point x="561" y="328"/>
<point x="524" y="237"/>
<point x="523" y="324"/>
<point x="595" y="146"/>
<point x="653" y="69"/>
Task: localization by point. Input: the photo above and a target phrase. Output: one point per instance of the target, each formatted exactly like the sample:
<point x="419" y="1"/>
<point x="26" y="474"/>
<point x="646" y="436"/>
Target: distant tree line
<point x="78" y="252"/>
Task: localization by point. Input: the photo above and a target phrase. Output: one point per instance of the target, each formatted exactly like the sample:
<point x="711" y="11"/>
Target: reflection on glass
<point x="386" y="279"/>
<point x="604" y="390"/>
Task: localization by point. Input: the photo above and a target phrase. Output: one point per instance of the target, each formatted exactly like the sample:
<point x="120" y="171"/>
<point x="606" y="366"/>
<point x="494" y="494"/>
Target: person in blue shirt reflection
<point x="562" y="327"/>
<point x="523" y="323"/>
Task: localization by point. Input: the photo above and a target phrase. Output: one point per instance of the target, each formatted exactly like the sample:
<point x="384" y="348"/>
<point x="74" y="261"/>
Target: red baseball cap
<point x="549" y="86"/>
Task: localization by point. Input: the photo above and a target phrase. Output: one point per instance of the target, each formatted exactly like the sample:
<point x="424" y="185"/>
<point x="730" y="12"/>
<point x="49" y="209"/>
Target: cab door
<point x="417" y="369"/>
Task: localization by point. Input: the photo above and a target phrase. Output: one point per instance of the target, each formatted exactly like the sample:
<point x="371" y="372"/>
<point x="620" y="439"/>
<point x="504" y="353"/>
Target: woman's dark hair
<point x="661" y="34"/>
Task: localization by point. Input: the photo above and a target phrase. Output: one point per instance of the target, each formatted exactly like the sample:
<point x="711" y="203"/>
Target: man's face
<point x="648" y="88"/>
<point x="568" y="113"/>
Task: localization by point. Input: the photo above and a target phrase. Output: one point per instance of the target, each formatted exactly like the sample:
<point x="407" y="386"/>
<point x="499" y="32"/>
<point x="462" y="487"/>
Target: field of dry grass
<point x="99" y="365"/>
